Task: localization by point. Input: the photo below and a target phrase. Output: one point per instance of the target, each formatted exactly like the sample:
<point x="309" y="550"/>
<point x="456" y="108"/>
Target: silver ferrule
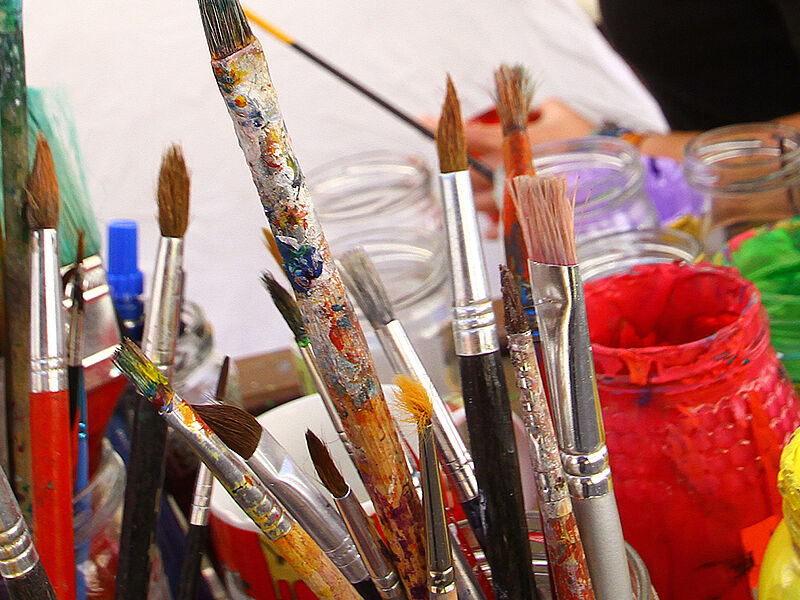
<point x="201" y="501"/>
<point x="545" y="456"/>
<point x="229" y="468"/>
<point x="455" y="457"/>
<point x="48" y="350"/>
<point x="439" y="558"/>
<point x="17" y="553"/>
<point x="474" y="327"/>
<point x="561" y="314"/>
<point x="380" y="569"/>
<point x="162" y="312"/>
<point x="308" y="504"/>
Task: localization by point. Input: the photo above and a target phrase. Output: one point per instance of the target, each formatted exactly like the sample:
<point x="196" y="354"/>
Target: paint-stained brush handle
<point x="33" y="585"/>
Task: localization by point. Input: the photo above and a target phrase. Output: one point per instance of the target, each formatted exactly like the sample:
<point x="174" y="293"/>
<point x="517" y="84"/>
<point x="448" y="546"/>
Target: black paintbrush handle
<point x="192" y="559"/>
<point x="142" y="492"/>
<point x="73" y="381"/>
<point x="472" y="510"/>
<point x="494" y="452"/>
<point x="33" y="585"/>
<point x="367" y="590"/>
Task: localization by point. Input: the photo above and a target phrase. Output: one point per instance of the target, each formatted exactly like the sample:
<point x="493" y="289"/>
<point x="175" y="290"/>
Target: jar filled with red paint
<point x="697" y="408"/>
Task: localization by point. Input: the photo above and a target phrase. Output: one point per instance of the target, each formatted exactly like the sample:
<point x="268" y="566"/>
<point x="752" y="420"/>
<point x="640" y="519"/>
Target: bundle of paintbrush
<point x="482" y="381"/>
<point x="547" y="216"/>
<point x="241" y="71"/>
<point x="290" y="540"/>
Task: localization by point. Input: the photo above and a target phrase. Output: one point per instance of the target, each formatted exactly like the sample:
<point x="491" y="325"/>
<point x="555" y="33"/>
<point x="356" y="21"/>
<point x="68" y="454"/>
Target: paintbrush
<point x="51" y="445"/>
<point x="16" y="255"/>
<point x="483" y="386"/>
<point x="513" y="97"/>
<point x="441" y="577"/>
<point x="361" y="529"/>
<point x="20" y="567"/>
<point x="197" y="536"/>
<point x="290" y="312"/>
<point x="480" y="167"/>
<point x="365" y="285"/>
<point x="297" y="492"/>
<point x="243" y="78"/>
<point x="567" y="560"/>
<point x="547" y="216"/>
<point x="288" y="539"/>
<point x="77" y="399"/>
<point x="149" y="432"/>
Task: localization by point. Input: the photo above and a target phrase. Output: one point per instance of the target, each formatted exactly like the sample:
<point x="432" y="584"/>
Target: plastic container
<point x="696" y="409"/>
<point x="748" y="174"/>
<point x="607" y="178"/>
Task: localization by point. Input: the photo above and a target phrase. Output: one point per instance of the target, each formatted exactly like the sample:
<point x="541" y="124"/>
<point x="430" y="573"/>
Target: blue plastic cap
<point x="124" y="276"/>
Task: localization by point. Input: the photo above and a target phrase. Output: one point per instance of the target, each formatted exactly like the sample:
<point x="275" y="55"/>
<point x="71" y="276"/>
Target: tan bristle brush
<point x="546" y="214"/>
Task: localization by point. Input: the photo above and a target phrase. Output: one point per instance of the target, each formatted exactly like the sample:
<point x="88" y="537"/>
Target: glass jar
<point x="411" y="266"/>
<point x="372" y="190"/>
<point x="618" y="252"/>
<point x="696" y="408"/>
<point x="748" y="175"/>
<point x="606" y="177"/>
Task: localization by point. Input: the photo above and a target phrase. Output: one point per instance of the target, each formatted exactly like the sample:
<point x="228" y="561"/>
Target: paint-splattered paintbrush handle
<point x="494" y="452"/>
<point x="517" y="160"/>
<point x="567" y="559"/>
<point x="336" y="336"/>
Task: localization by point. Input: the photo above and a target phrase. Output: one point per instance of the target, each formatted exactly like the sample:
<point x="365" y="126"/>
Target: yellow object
<point x="269" y="27"/>
<point x="780" y="571"/>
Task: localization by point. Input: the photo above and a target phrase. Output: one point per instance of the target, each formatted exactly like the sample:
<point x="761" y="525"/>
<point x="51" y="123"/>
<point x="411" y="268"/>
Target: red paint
<point x="696" y="408"/>
<point x="51" y="459"/>
<point x="240" y="552"/>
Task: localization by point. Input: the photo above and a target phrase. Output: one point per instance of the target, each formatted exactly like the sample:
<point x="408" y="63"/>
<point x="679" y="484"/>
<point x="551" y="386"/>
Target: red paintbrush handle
<point x="51" y="449"/>
<point x="566" y="557"/>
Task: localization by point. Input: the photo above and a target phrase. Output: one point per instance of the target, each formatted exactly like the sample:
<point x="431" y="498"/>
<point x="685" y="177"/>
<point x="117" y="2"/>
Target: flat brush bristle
<point x="450" y="141"/>
<point x="288" y="308"/>
<point x="225" y="26"/>
<point x="546" y="215"/>
<point x="272" y="245"/>
<point x="173" y="193"/>
<point x="514" y="94"/>
<point x="238" y="429"/>
<point x="43" y="202"/>
<point x="512" y="302"/>
<point x="142" y="373"/>
<point x="326" y="469"/>
<point x="362" y="280"/>
<point x="414" y="399"/>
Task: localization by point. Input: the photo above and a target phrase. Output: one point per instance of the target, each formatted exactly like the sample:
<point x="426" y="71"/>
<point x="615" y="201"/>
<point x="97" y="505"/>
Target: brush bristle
<point x="287" y="306"/>
<point x="222" y="380"/>
<point x="450" y="141"/>
<point x="225" y="26"/>
<point x="514" y="94"/>
<point x="512" y="302"/>
<point x="546" y="215"/>
<point x="326" y="469"/>
<point x="43" y="202"/>
<point x="142" y="373"/>
<point x="173" y="193"/>
<point x="414" y="399"/>
<point x="238" y="429"/>
<point x="362" y="280"/>
<point x="272" y="245"/>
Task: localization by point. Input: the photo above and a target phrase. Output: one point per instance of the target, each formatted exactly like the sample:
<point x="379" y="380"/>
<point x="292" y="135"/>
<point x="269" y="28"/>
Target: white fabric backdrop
<point x="138" y="77"/>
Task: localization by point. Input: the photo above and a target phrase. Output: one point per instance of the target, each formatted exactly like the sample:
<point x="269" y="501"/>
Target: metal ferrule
<point x="201" y="501"/>
<point x="561" y="313"/>
<point x="455" y="457"/>
<point x="17" y="553"/>
<point x="310" y="361"/>
<point x="162" y="312"/>
<point x="229" y="468"/>
<point x="441" y="575"/>
<point x="474" y="327"/>
<point x="48" y="345"/>
<point x="380" y="569"/>
<point x="308" y="504"/>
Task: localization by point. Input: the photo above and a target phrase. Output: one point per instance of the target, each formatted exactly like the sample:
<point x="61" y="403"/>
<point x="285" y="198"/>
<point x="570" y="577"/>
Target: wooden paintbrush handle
<point x="494" y="452"/>
<point x="51" y="447"/>
<point x="33" y="585"/>
<point x="566" y="556"/>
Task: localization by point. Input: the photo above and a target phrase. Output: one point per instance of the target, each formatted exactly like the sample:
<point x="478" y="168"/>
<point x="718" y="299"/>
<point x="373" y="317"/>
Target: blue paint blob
<point x="301" y="262"/>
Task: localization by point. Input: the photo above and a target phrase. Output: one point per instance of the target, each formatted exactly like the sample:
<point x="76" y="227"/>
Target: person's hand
<point x="557" y="121"/>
